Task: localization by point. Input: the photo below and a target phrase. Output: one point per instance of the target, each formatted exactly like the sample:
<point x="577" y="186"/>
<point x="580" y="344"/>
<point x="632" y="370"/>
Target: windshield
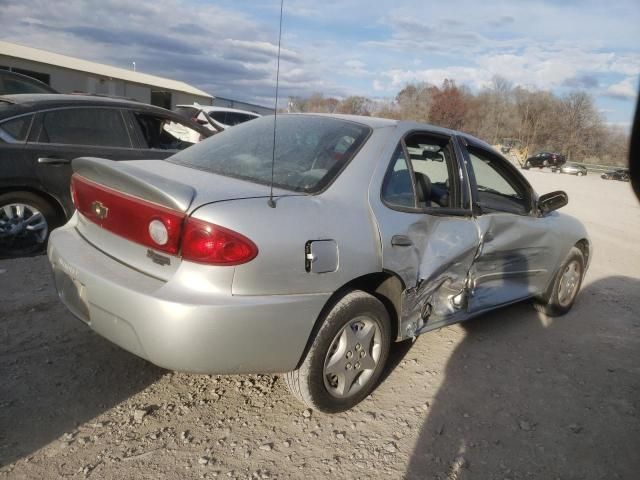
<point x="310" y="151"/>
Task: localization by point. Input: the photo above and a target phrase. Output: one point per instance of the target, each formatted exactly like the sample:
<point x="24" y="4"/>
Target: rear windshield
<point x="309" y="151"/>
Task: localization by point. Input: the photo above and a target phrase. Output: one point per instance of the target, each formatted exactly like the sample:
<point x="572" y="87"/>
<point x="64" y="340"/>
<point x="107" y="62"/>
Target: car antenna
<point x="271" y="202"/>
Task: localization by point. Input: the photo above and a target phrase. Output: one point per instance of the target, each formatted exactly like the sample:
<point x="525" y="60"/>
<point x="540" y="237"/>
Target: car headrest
<point x="431" y="155"/>
<point x="399" y="182"/>
<point x="423" y="188"/>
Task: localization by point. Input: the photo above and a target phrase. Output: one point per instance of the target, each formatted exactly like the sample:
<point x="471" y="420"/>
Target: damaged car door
<point x="429" y="237"/>
<point x="513" y="257"/>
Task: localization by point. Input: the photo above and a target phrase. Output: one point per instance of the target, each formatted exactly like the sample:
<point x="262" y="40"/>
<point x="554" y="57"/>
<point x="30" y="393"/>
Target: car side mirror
<point x="552" y="201"/>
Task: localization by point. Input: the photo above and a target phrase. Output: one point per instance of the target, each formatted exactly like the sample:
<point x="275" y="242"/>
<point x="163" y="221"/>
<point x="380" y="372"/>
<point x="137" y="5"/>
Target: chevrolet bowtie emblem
<point x="99" y="209"/>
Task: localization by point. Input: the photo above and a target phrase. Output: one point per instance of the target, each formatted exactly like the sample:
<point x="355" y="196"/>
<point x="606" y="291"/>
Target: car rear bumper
<point x="176" y="327"/>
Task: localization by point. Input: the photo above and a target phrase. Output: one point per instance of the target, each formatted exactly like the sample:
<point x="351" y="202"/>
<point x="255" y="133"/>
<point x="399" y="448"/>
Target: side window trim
<point x="137" y="137"/>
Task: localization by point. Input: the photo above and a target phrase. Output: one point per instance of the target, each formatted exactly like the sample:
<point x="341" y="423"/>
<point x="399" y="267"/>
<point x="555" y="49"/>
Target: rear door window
<point x="398" y="188"/>
<point x="103" y="127"/>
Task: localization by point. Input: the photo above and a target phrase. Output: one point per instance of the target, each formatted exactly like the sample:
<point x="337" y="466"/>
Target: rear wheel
<point x="26" y="220"/>
<point x="565" y="287"/>
<point x="580" y="174"/>
<point x="347" y="356"/>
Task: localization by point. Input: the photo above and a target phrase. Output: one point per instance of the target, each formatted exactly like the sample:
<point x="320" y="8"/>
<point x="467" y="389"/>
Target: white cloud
<point x="627" y="88"/>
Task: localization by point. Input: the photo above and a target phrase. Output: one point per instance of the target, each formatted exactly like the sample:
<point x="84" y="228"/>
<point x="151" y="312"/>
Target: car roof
<point x="32" y="102"/>
<point x="213" y="108"/>
<point x="378" y="122"/>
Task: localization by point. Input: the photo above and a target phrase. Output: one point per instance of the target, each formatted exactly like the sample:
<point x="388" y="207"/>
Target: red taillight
<point x="128" y="216"/>
<point x="205" y="242"/>
<point x="159" y="227"/>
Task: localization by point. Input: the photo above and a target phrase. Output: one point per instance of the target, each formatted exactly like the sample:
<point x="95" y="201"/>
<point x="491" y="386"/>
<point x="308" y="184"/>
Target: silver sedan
<point x="311" y="255"/>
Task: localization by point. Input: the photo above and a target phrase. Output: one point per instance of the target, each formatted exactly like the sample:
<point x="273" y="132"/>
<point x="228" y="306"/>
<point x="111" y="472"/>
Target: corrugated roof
<point x="50" y="58"/>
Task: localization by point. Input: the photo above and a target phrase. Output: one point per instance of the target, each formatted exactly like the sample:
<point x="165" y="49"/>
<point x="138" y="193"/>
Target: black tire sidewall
<point x="355" y="305"/>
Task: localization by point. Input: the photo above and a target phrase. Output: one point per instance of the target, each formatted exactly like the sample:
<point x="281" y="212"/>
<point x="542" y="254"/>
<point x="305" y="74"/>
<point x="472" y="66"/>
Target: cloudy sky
<point x="343" y="47"/>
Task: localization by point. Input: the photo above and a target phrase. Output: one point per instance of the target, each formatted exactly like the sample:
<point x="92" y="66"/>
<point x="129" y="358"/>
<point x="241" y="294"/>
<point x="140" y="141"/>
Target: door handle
<point x="401" y="241"/>
<point x="53" y="161"/>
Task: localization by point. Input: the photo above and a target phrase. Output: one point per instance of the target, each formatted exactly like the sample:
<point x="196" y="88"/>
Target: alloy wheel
<point x="22" y="226"/>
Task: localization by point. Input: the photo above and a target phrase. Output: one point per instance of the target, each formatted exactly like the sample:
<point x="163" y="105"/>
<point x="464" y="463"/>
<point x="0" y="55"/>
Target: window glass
<point x="16" y="130"/>
<point x="397" y="189"/>
<point x="219" y="116"/>
<point x="308" y="151"/>
<point x="495" y="191"/>
<point x="164" y="134"/>
<point x="102" y="127"/>
<point x="234" y="118"/>
<point x="433" y="168"/>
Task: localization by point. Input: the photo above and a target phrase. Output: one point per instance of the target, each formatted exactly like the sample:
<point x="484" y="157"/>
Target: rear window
<point x="309" y="151"/>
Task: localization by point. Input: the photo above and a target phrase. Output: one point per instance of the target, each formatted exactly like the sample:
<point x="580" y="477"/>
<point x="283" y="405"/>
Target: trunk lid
<point x="115" y="193"/>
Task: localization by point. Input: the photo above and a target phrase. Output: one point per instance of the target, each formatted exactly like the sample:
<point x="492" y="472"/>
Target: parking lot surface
<point x="511" y="394"/>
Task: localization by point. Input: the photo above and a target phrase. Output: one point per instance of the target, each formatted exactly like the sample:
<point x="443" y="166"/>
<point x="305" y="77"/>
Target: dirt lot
<point x="510" y="395"/>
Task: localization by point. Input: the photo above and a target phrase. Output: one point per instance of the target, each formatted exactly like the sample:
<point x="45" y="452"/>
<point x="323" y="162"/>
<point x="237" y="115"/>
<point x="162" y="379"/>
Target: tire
<point x="580" y="174"/>
<point x="314" y="383"/>
<point x="558" y="301"/>
<point x="526" y="166"/>
<point x="26" y="220"/>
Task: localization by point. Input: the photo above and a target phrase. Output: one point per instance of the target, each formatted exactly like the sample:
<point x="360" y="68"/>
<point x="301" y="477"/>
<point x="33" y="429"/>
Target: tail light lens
<point x="205" y="242"/>
<point x="159" y="227"/>
<point x="127" y="216"/>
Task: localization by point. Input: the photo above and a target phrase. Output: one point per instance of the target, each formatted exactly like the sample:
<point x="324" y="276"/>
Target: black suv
<point x="41" y="134"/>
<point x="545" y="159"/>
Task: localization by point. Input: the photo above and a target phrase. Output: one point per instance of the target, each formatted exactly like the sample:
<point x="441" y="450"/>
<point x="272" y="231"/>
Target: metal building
<point x="74" y="75"/>
<point x="250" y="107"/>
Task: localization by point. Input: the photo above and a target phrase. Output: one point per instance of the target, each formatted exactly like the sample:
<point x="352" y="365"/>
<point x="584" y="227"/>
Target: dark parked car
<point x="572" y="169"/>
<point x="12" y="83"/>
<point x="621" y="174"/>
<point x="41" y="134"/>
<point x="545" y="159"/>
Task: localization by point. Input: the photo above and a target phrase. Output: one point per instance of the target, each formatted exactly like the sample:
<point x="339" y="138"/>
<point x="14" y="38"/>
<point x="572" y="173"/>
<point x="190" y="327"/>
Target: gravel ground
<point x="509" y="395"/>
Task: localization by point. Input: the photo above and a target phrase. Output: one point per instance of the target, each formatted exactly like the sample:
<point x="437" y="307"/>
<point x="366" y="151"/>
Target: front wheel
<point x="347" y="356"/>
<point x="565" y="287"/>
